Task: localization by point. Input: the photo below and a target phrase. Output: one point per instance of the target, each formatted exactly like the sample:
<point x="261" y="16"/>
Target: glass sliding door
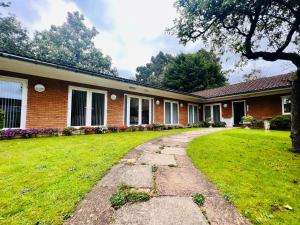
<point x="191" y="117"/>
<point x="134" y="111"/>
<point x="175" y="113"/>
<point x="145" y="111"/>
<point x="78" y="110"/>
<point x="11" y="93"/>
<point x="171" y="112"/>
<point x="207" y="112"/>
<point x="216" y="113"/>
<point x="212" y="113"/>
<point x="98" y="109"/>
<point x="138" y="110"/>
<point x="168" y="113"/>
<point x="87" y="107"/>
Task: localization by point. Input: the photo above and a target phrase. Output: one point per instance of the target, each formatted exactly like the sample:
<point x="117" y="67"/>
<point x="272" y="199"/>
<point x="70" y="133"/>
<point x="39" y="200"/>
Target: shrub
<point x="132" y="128"/>
<point x="199" y="199"/>
<point x="123" y="128"/>
<point x="68" y="131"/>
<point x="100" y="130"/>
<point x="2" y="115"/>
<point x="140" y="128"/>
<point x="157" y="126"/>
<point x="113" y="129"/>
<point x="281" y="122"/>
<point x="206" y="123"/>
<point x="149" y="127"/>
<point x="28" y="133"/>
<point x="89" y="130"/>
<point x="248" y="118"/>
<point x="219" y="124"/>
<point x="258" y="124"/>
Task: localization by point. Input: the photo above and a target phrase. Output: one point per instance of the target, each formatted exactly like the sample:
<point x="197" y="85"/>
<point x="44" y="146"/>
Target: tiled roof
<point x="261" y="84"/>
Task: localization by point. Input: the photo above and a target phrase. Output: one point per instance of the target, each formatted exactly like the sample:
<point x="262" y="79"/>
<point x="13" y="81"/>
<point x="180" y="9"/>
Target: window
<point x="138" y="110"/>
<point x="13" y="100"/>
<point x="171" y="112"/>
<point x="193" y="114"/>
<point x="87" y="107"/>
<point x="212" y="112"/>
<point x="286" y="105"/>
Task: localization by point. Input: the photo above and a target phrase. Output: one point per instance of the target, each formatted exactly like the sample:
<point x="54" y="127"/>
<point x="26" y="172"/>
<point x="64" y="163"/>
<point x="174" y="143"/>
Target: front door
<point x="238" y="112"/>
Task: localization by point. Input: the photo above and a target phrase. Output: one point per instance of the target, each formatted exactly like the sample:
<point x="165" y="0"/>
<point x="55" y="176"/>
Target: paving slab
<point x="139" y="176"/>
<point x="94" y="209"/>
<point x="183" y="161"/>
<point x="173" y="151"/>
<point x="157" y="159"/>
<point x="181" y="182"/>
<point x="161" y="211"/>
<point x="220" y="211"/>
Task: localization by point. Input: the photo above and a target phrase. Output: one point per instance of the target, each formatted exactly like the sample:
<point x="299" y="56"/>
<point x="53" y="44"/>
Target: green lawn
<point x="255" y="170"/>
<point x="42" y="179"/>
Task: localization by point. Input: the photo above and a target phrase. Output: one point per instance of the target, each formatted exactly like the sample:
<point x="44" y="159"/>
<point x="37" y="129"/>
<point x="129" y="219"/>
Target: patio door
<point x="238" y="112"/>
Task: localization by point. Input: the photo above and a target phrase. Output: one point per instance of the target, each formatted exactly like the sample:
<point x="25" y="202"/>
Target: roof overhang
<point x="53" y="71"/>
<point x="278" y="91"/>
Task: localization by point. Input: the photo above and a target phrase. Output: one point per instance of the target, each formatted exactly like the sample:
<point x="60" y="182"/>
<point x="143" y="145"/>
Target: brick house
<point x="36" y="94"/>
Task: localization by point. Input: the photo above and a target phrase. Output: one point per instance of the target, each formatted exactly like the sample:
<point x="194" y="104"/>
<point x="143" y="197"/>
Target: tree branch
<point x="288" y="6"/>
<point x="234" y="27"/>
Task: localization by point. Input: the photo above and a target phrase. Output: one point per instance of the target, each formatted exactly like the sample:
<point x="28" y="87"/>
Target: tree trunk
<point x="295" y="130"/>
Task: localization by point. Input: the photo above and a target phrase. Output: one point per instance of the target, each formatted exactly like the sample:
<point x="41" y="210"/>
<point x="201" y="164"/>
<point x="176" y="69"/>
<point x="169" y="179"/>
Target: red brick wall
<point x="183" y="113"/>
<point x="49" y="108"/>
<point x="265" y="106"/>
<point x="227" y="112"/>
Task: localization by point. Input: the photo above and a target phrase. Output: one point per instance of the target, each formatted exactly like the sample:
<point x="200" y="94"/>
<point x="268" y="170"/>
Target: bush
<point x="219" y="124"/>
<point x="140" y="128"/>
<point x="68" y="131"/>
<point x="27" y="133"/>
<point x="89" y="130"/>
<point x="113" y="129"/>
<point x="157" y="126"/>
<point x="123" y="128"/>
<point x="149" y="127"/>
<point x="281" y="122"/>
<point x="257" y="124"/>
<point x="2" y="115"/>
<point x="206" y="123"/>
<point x="100" y="130"/>
<point x="132" y="128"/>
<point x="248" y="118"/>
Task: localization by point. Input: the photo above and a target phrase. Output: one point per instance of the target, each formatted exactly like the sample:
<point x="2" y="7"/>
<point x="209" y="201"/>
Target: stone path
<point x="171" y="186"/>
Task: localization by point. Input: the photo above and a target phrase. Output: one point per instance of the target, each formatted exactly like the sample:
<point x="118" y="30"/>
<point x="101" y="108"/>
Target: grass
<point x="254" y="170"/>
<point x="42" y="179"/>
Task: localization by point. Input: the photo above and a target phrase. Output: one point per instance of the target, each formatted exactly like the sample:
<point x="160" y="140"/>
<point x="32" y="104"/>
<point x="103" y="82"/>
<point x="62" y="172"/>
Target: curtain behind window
<point x="196" y="114"/>
<point x="190" y="114"/>
<point x="78" y="108"/>
<point x="175" y="113"/>
<point x="207" y="113"/>
<point x="167" y="112"/>
<point x="216" y="112"/>
<point x="97" y="109"/>
<point x="11" y="103"/>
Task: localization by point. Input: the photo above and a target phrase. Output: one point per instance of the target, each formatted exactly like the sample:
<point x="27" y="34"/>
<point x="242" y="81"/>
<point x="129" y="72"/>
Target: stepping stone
<point x="183" y="161"/>
<point x="181" y="182"/>
<point x="173" y="151"/>
<point x="161" y="211"/>
<point x="138" y="176"/>
<point x="157" y="159"/>
<point x="94" y="209"/>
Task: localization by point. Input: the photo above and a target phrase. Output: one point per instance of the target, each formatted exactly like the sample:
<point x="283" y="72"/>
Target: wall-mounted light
<point x="181" y="105"/>
<point x="157" y="102"/>
<point x="39" y="88"/>
<point x="113" y="97"/>
<point x="225" y="105"/>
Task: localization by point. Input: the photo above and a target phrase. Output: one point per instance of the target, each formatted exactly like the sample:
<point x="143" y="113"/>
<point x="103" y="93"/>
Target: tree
<point x="72" y="44"/>
<point x="152" y="73"/>
<point x="252" y="75"/>
<point x="13" y="37"/>
<point x="194" y="72"/>
<point x="267" y="29"/>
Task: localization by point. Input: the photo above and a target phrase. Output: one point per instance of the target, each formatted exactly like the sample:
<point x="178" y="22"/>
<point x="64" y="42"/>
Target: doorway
<point x="238" y="112"/>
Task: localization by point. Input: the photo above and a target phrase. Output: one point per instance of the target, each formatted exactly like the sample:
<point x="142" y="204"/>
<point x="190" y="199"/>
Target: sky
<point x="130" y="31"/>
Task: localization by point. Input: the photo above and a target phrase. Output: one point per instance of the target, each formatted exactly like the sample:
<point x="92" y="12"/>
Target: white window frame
<point x="140" y="98"/>
<point x="171" y="109"/>
<point x="212" y="111"/>
<point x="193" y="117"/>
<point x="282" y="104"/>
<point x="24" y="83"/>
<point x="88" y="119"/>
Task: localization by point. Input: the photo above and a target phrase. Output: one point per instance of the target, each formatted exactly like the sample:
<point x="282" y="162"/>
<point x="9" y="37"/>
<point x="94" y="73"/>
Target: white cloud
<point x="138" y="32"/>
